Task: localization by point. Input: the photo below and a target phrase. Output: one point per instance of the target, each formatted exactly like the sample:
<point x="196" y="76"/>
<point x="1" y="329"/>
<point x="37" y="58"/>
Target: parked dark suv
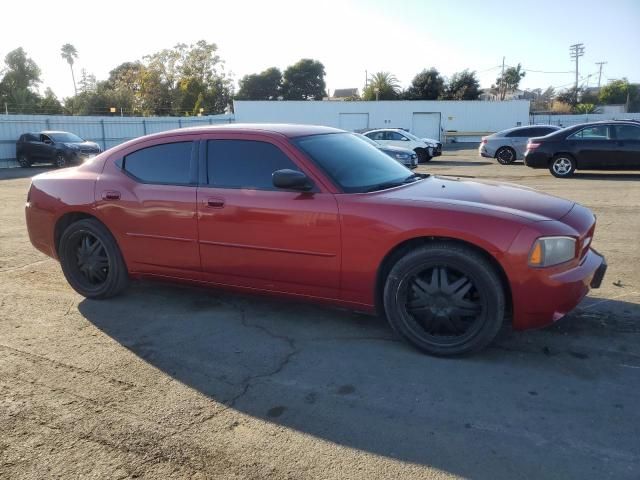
<point x="59" y="148"/>
<point x="608" y="145"/>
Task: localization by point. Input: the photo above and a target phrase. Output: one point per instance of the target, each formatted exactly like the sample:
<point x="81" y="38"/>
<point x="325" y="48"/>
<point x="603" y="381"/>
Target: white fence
<point x="569" y="120"/>
<point x="106" y="131"/>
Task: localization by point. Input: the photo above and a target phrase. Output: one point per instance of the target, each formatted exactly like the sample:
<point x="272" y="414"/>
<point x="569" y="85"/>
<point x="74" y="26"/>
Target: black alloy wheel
<point x="505" y="155"/>
<point x="91" y="260"/>
<point x="445" y="299"/>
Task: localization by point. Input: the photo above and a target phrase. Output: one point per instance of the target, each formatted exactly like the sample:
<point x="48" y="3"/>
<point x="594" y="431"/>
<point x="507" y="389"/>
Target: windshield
<point x="65" y="137"/>
<point x="355" y="165"/>
<point x="410" y="135"/>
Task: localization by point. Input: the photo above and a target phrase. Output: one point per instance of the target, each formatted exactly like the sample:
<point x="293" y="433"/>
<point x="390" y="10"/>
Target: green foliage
<point x="543" y="101"/>
<point x="177" y="81"/>
<point x="382" y="86"/>
<point x="621" y="92"/>
<point x="509" y="81"/>
<point x="585" y="108"/>
<point x="462" y="86"/>
<point x="426" y="85"/>
<point x="570" y="96"/>
<point x="49" y="104"/>
<point x="21" y="78"/>
<point x="261" y="86"/>
<point x="304" y="80"/>
<point x="69" y="53"/>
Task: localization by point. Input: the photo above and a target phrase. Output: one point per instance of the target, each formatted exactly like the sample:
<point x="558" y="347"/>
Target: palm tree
<point x="69" y="53"/>
<point x="382" y="86"/>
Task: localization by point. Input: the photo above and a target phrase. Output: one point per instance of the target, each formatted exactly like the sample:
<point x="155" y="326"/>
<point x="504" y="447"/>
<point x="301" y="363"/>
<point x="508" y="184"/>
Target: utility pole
<point x="576" y="51"/>
<point x="600" y="72"/>
<point x="501" y="86"/>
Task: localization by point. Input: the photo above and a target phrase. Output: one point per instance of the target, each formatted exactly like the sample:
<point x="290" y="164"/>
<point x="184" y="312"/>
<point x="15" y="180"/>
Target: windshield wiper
<point x="396" y="183"/>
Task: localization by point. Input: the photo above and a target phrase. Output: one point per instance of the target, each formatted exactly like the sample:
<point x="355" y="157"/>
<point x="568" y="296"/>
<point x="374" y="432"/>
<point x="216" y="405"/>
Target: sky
<point x="348" y="37"/>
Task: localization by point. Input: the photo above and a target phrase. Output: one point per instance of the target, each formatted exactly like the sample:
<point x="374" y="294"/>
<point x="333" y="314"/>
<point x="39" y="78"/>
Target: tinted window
<point x="352" y="163"/>
<point x="395" y="136"/>
<point x="521" y="132"/>
<point x="627" y="132"/>
<point x="376" y="135"/>
<point x="597" y="132"/>
<point x="541" y="131"/>
<point x="66" y="137"/>
<point x="244" y="164"/>
<point x="169" y="163"/>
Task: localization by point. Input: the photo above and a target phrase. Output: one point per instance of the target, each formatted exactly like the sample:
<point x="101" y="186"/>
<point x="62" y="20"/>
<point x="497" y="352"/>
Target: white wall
<point x="463" y="116"/>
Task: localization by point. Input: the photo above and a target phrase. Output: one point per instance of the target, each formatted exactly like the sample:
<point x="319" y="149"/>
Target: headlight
<point x="401" y="156"/>
<point x="548" y="251"/>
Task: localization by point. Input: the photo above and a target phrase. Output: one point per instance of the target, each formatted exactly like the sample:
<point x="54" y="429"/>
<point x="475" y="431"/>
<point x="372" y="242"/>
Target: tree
<point x="621" y="92"/>
<point x="382" y="86"/>
<point x="304" y="80"/>
<point x="22" y="76"/>
<point x="585" y="108"/>
<point x="49" y="104"/>
<point x="463" y="86"/>
<point x="261" y="86"/>
<point x="543" y="100"/>
<point x="87" y="81"/>
<point x="69" y="53"/>
<point x="509" y="81"/>
<point x="426" y="85"/>
<point x="570" y="96"/>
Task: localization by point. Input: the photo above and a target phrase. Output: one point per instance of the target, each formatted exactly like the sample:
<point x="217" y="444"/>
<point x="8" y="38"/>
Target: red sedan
<point x="317" y="213"/>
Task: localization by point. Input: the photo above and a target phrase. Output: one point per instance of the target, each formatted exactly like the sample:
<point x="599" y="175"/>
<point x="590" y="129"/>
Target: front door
<point x="628" y="145"/>
<point x="595" y="147"/>
<point x="254" y="235"/>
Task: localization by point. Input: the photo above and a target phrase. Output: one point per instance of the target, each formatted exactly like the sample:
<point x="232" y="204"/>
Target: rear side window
<point x="395" y="136"/>
<point x="168" y="163"/>
<point x="244" y="164"/>
<point x="627" y="132"/>
<point x="597" y="132"/>
<point x="541" y="131"/>
<point x="375" y="135"/>
<point x="522" y="132"/>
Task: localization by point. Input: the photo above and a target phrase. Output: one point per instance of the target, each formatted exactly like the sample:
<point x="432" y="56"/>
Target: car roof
<point x="288" y="130"/>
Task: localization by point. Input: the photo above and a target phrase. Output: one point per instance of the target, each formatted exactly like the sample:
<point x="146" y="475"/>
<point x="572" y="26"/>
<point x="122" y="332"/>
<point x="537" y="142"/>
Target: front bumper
<point x="438" y="150"/>
<point x="547" y="296"/>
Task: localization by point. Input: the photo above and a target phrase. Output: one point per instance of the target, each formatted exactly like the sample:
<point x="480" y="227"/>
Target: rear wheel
<point x="506" y="155"/>
<point x="445" y="299"/>
<point x="562" y="166"/>
<point x="24" y="161"/>
<point x="91" y="260"/>
<point x="60" y="161"/>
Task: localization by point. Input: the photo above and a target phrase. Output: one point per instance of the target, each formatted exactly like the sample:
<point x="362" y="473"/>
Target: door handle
<point x="111" y="195"/>
<point x="215" y="202"/>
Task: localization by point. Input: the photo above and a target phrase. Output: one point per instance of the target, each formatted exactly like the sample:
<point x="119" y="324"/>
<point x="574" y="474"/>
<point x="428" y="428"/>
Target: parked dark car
<point x="407" y="157"/>
<point x="610" y="145"/>
<point x="58" y="148"/>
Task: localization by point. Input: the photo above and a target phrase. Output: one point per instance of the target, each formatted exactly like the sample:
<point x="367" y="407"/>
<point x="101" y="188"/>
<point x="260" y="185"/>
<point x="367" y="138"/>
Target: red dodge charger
<point x="317" y="213"/>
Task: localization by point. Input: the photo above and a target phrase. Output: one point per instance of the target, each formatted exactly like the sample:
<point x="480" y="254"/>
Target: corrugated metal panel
<point x="106" y="131"/>
<point x="569" y="120"/>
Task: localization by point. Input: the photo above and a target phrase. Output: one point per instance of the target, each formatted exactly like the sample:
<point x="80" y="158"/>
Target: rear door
<point x="147" y="197"/>
<point x="518" y="139"/>
<point x="595" y="147"/>
<point x="255" y="235"/>
<point x="628" y="145"/>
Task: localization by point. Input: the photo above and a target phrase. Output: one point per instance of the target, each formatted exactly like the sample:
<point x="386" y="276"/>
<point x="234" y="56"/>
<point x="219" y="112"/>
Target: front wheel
<point x="562" y="166"/>
<point x="24" y="161"/>
<point x="445" y="299"/>
<point x="60" y="161"/>
<point x="91" y="260"/>
<point x="423" y="155"/>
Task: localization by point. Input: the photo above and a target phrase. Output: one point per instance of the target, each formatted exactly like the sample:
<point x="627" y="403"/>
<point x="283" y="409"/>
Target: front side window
<point x="353" y="164"/>
<point x="627" y="132"/>
<point x="167" y="164"/>
<point x="396" y="136"/>
<point x="245" y="164"/>
<point x="66" y="137"/>
<point x="597" y="132"/>
<point x="376" y="135"/>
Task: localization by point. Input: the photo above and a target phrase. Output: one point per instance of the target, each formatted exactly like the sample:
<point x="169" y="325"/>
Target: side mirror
<point x="291" y="180"/>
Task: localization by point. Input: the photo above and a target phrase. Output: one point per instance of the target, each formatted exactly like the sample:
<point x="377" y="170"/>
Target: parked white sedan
<point x="425" y="148"/>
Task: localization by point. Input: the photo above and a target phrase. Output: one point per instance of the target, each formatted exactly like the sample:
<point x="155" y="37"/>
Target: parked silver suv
<point x="509" y="145"/>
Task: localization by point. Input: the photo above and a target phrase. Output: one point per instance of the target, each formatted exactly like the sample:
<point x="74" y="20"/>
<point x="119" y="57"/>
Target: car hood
<point x="429" y="140"/>
<point x="397" y="149"/>
<point x="494" y="196"/>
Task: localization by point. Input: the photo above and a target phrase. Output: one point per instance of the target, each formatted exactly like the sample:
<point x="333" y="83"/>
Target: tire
<point x="59" y="160"/>
<point x="24" y="161"/>
<point x="423" y="155"/>
<point x="562" y="166"/>
<point x="426" y="288"/>
<point x="93" y="270"/>
<point x="506" y="155"/>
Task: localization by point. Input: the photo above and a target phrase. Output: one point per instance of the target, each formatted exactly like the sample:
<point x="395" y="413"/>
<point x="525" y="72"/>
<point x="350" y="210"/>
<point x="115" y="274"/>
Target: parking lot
<point x="177" y="382"/>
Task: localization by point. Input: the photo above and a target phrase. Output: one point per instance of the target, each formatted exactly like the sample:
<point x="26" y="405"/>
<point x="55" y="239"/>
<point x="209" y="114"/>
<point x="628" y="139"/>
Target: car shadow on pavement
<point x="455" y="163"/>
<point x="622" y="177"/>
<point x="17" y="172"/>
<point x="345" y="378"/>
